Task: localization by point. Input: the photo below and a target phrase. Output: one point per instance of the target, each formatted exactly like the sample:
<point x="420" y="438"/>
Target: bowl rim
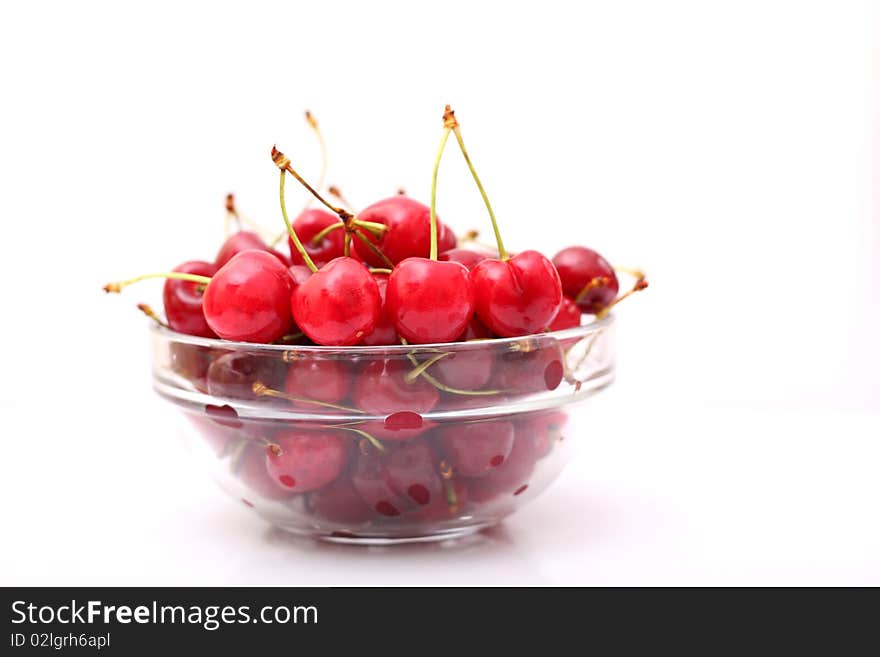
<point x="576" y="332"/>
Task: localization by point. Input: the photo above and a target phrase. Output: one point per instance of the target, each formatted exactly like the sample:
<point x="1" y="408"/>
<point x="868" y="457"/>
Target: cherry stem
<point x="363" y="434"/>
<point x="326" y="231"/>
<point x="635" y="273"/>
<point x="290" y="231"/>
<point x="283" y="163"/>
<point x="452" y="122"/>
<point x="149" y="312"/>
<point x="446" y="131"/>
<point x="413" y="375"/>
<point x="380" y="270"/>
<point x="592" y="284"/>
<point x="117" y="286"/>
<point x="346" y="244"/>
<point x="232" y="212"/>
<point x="421" y="369"/>
<point x="290" y="337"/>
<point x="569" y="371"/>
<point x="373" y="227"/>
<point x="638" y="286"/>
<point x="471" y="236"/>
<point x="375" y="249"/>
<point x="262" y="390"/>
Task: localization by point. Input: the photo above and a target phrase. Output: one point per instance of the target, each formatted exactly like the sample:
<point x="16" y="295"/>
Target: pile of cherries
<point x="390" y="274"/>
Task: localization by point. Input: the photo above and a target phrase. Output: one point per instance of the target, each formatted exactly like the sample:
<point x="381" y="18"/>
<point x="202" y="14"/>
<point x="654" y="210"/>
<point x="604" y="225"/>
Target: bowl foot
<point x="348" y="538"/>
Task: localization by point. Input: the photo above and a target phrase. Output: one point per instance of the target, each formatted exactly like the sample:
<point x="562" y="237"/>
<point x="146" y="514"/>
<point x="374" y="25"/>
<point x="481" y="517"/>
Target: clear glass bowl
<point x="384" y="444"/>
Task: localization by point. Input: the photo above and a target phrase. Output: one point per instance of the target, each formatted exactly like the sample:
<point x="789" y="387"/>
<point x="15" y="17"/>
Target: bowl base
<point x="347" y="538"/>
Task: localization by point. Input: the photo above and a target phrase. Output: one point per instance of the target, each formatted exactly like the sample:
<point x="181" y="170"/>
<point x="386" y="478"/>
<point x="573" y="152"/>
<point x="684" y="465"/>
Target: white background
<point x="728" y="148"/>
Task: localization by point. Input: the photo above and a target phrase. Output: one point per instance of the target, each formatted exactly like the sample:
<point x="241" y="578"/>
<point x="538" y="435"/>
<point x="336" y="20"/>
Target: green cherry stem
<point x="446" y="130"/>
<point x="363" y="434"/>
<point x="262" y="390"/>
<point x="313" y="124"/>
<point x="372" y="247"/>
<point x="421" y="370"/>
<point x="290" y="231"/>
<point x="452" y="122"/>
<point x="326" y="231"/>
<point x="117" y="286"/>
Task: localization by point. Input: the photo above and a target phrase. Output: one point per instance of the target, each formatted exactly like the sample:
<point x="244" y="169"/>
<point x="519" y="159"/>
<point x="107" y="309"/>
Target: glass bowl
<point x="383" y="444"/>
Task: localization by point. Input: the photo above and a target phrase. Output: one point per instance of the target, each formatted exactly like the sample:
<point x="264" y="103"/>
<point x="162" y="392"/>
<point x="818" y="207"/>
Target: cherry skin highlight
<point x="248" y="299"/>
<point x="303" y="461"/>
<point x="408" y="234"/>
<point x="519" y="296"/>
<point x="579" y="267"/>
<point x="183" y="300"/>
<point x="430" y="301"/>
<point x="338" y="304"/>
<point x="307" y="225"/>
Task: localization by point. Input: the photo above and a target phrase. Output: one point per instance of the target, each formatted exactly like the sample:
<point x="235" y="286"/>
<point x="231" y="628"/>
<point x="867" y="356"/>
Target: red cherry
<point x="322" y="379"/>
<point x="303" y="461"/>
<point x="569" y="316"/>
<point x="243" y="240"/>
<point x="476" y="448"/>
<point x="282" y="258"/>
<point x="410" y="470"/>
<point x="299" y="274"/>
<point x="307" y="225"/>
<point x="338" y="304"/>
<point x="475" y="330"/>
<point x="467" y="257"/>
<point x="545" y="429"/>
<point x="447" y="506"/>
<point x="191" y="362"/>
<point x="248" y="299"/>
<point x="369" y="480"/>
<point x="233" y="374"/>
<point x="339" y="502"/>
<point x="430" y="301"/>
<point x="587" y="278"/>
<point x="511" y="477"/>
<point x="250" y="468"/>
<point x="384" y="333"/>
<point x="408" y="234"/>
<point x="183" y="300"/>
<point x="538" y="369"/>
<point x="518" y="296"/>
<point x="382" y="389"/>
